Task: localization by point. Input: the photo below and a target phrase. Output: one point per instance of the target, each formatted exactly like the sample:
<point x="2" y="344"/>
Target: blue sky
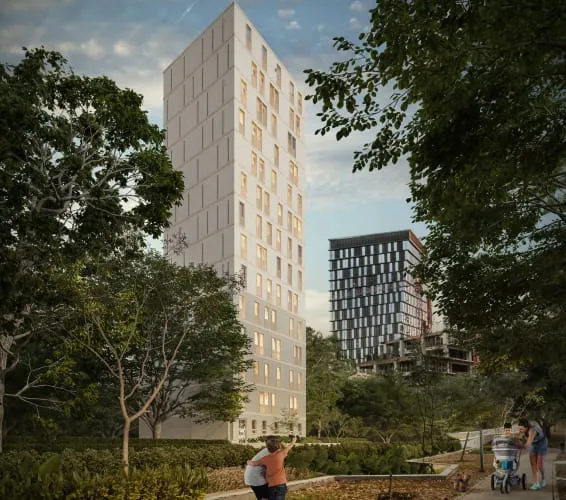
<point x="132" y="41"/>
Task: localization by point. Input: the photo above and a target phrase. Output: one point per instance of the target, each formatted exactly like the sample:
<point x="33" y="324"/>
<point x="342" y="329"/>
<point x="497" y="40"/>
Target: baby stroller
<point x="507" y="455"/>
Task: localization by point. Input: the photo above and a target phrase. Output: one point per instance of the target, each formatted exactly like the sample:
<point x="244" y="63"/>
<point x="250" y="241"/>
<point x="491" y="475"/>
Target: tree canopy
<point x="478" y="109"/>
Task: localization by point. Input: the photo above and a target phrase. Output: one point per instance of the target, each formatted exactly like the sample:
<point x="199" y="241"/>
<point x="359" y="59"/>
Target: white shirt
<point x="254" y="475"/>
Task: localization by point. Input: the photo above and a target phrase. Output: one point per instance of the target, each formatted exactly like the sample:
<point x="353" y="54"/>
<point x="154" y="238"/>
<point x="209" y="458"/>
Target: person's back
<point x="254" y="476"/>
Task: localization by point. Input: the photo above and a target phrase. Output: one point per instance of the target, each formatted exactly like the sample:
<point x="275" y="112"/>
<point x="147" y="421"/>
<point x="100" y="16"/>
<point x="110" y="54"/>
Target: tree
<point x="478" y="110"/>
<point x="169" y="336"/>
<point x="326" y="375"/>
<point x="80" y="166"/>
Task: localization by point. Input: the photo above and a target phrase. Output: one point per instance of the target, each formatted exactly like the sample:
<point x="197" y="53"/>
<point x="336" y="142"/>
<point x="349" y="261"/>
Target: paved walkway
<point x="482" y="490"/>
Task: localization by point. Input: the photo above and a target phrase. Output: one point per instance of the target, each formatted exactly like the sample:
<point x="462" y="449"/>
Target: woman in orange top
<point x="275" y="467"/>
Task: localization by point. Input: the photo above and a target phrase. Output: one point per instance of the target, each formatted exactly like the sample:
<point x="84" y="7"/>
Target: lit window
<point x="278" y="295"/>
<point x="295" y="303"/>
<point x="261" y="83"/>
<point x="254" y="75"/>
<point x="276" y="155"/>
<point x="269" y="290"/>
<point x="242" y="122"/>
<point x="299" y="380"/>
<point x="273" y="319"/>
<point x="256" y="318"/>
<point x="264" y="57"/>
<point x="300" y="205"/>
<point x="266" y="316"/>
<point x="278" y="75"/>
<point x="280" y="214"/>
<point x="289" y="248"/>
<point x="259" y="285"/>
<point x="275" y="348"/>
<point x="259" y="226"/>
<point x="243" y="246"/>
<point x="289" y="221"/>
<point x="291" y="119"/>
<point x="244" y="92"/>
<point x="300" y="330"/>
<point x="259" y="197"/>
<point x="274" y="181"/>
<point x="266" y="203"/>
<point x="261" y="171"/>
<point x="278" y="376"/>
<point x="273" y="399"/>
<point x="248" y="36"/>
<point x="269" y="233"/>
<point x="266" y="374"/>
<point x="274" y="97"/>
<point x="291" y="378"/>
<point x="256" y="367"/>
<point x="244" y="185"/>
<point x="278" y="240"/>
<point x="261" y="254"/>
<point x="258" y="339"/>
<point x="256" y="136"/>
<point x="242" y="307"/>
<point x="261" y="112"/>
<point x="273" y="125"/>
<point x="292" y="93"/>
<point x="289" y="300"/>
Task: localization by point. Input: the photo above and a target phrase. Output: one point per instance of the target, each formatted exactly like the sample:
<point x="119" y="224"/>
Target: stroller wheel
<point x="493" y="481"/>
<point x="524" y="481"/>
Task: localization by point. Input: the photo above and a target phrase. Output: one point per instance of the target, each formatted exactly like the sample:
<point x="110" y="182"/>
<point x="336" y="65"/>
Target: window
<point x="273" y="399"/>
<point x="293" y="403"/>
<point x="276" y="155"/>
<point x="254" y="426"/>
<point x="290" y="195"/>
<point x="289" y="221"/>
<point x="258" y="342"/>
<point x="300" y="330"/>
<point x="242" y="306"/>
<point x="300" y="280"/>
<point x="269" y="234"/>
<point x="274" y="181"/>
<point x="254" y="75"/>
<point x="254" y="164"/>
<point x="291" y="119"/>
<point x="244" y="275"/>
<point x="300" y="103"/>
<point x="269" y="290"/>
<point x="242" y="214"/>
<point x="243" y="92"/>
<point x="289" y="300"/>
<point x="261" y="171"/>
<point x="291" y="144"/>
<point x="242" y="122"/>
<point x="261" y="83"/>
<point x="299" y="380"/>
<point x="299" y="228"/>
<point x="292" y="93"/>
<point x="261" y="112"/>
<point x="278" y="240"/>
<point x="256" y="136"/>
<point x="273" y="125"/>
<point x="261" y="254"/>
<point x="278" y="295"/>
<point x="298" y="126"/>
<point x="291" y="378"/>
<point x="289" y="274"/>
<point x="256" y="367"/>
<point x="264" y="426"/>
<point x="274" y="97"/>
<point x="273" y="319"/>
<point x="244" y="185"/>
<point x="259" y="197"/>
<point x="296" y="227"/>
<point x="256" y="316"/>
<point x="300" y="205"/>
<point x="259" y="227"/>
<point x="278" y="75"/>
<point x="278" y="266"/>
<point x="275" y="348"/>
<point x="243" y="246"/>
<point x="264" y="402"/>
<point x="264" y="57"/>
<point x="297" y="354"/>
<point x="294" y="173"/>
<point x="248" y="36"/>
<point x="289" y="248"/>
<point x="266" y="374"/>
<point x="266" y="316"/>
<point x="266" y="203"/>
<point x="278" y="376"/>
<point x="259" y="285"/>
<point x="295" y="303"/>
<point x="279" y="214"/>
<point x="300" y="255"/>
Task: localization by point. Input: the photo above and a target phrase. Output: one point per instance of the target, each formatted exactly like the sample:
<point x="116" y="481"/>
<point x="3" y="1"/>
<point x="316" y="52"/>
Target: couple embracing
<point x="265" y="473"/>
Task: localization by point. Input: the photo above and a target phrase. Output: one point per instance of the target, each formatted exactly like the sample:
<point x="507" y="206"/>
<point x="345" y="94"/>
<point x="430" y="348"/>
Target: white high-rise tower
<point x="234" y="120"/>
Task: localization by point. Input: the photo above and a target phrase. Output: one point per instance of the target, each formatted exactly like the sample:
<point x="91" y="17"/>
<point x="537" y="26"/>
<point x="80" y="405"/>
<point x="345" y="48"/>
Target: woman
<point x="537" y="446"/>
<point x="275" y="467"/>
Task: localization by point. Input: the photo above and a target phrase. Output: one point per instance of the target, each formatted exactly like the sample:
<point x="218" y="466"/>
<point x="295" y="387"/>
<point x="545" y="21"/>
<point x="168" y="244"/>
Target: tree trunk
<point x="2" y="390"/>
<point x="5" y="346"/>
<point x="156" y="430"/>
<point x="319" y="428"/>
<point x="125" y="448"/>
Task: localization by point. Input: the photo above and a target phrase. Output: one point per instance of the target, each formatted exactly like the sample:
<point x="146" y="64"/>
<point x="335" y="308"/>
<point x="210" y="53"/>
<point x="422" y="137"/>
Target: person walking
<point x="537" y="446"/>
<point x="254" y="475"/>
<point x="275" y="466"/>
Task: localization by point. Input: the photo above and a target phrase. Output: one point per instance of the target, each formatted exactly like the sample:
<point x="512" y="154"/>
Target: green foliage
<point x="471" y="94"/>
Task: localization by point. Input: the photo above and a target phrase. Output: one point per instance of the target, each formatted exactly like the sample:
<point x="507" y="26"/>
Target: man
<point x="254" y="476"/>
<point x="275" y="466"/>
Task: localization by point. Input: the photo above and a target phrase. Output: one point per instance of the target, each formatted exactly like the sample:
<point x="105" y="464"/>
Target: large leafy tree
<point x="80" y="165"/>
<point x="325" y="379"/>
<point x="478" y="108"/>
<point x="169" y="336"/>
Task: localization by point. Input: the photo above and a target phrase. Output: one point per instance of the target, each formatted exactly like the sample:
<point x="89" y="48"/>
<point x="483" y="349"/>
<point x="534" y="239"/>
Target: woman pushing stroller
<point x="537" y="446"/>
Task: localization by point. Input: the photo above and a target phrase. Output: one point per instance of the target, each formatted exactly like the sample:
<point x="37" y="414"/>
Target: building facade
<point x="234" y="119"/>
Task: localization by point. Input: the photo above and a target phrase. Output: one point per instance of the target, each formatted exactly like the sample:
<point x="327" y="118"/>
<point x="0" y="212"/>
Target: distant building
<point x="235" y="128"/>
<point x="377" y="308"/>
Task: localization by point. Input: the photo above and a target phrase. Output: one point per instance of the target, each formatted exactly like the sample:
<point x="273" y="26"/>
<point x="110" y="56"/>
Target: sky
<point x="132" y="41"/>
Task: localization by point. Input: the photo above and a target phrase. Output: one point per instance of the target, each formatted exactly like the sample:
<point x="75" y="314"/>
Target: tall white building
<point x="234" y="120"/>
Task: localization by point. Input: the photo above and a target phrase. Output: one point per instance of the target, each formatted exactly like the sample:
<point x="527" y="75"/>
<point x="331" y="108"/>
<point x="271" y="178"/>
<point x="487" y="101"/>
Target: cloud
<point x="285" y="13"/>
<point x="316" y="314"/>
<point x="357" y="6"/>
<point x="31" y="5"/>
<point x="293" y="25"/>
<point x="320" y="27"/>
<point x="92" y="48"/>
<point x="122" y="48"/>
<point x="354" y="24"/>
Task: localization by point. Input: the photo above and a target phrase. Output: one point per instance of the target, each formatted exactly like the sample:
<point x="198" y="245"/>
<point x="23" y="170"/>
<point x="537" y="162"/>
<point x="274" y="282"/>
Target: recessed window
<point x="257" y="137"/>
<point x="264" y="57"/>
<point x="292" y="93"/>
<point x="244" y="92"/>
<point x="248" y="36"/>
<point x="242" y="122"/>
<point x="278" y="75"/>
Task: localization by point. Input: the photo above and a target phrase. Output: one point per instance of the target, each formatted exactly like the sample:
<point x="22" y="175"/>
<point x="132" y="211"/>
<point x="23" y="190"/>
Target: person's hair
<point x="523" y="422"/>
<point x="507" y="425"/>
<point x="273" y="443"/>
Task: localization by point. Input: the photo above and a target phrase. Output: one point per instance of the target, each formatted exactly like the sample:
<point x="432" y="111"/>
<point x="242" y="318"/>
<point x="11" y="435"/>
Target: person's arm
<point x="530" y="438"/>
<point x="287" y="449"/>
<point x="254" y="463"/>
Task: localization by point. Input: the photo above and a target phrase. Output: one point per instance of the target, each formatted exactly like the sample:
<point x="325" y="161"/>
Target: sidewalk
<point x="482" y="490"/>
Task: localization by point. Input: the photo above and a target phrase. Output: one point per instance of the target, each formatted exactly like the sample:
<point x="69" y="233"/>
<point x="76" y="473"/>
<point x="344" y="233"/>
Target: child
<point x="275" y="467"/>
